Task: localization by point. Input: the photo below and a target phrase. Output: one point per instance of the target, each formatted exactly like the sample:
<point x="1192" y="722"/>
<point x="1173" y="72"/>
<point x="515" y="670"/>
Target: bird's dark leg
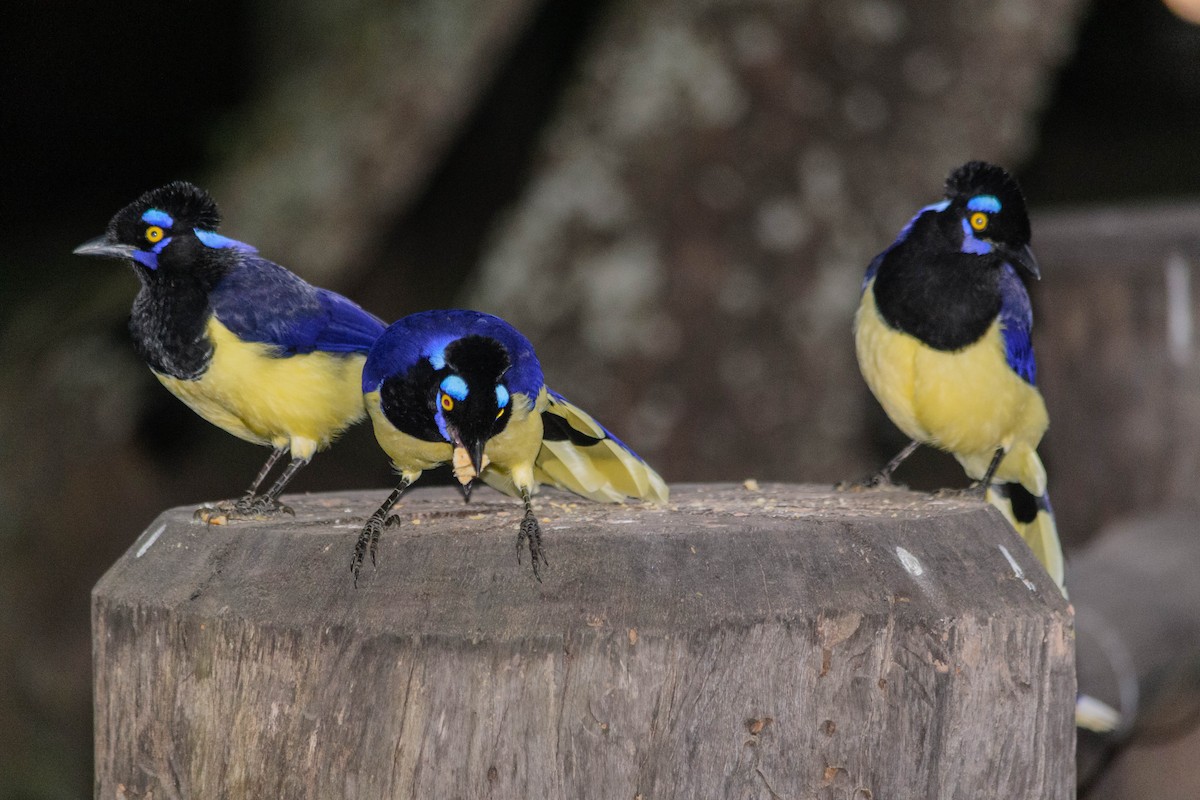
<point x="268" y="503"/>
<point x="369" y="538"/>
<point x="262" y="473"/>
<point x="532" y="531"/>
<point x="245" y="504"/>
<point x="884" y="476"/>
<point x="250" y="505"/>
<point x="986" y="481"/>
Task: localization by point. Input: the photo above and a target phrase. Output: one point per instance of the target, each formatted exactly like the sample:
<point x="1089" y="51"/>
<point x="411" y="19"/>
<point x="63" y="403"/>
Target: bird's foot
<point x="876" y="480"/>
<point x="256" y="507"/>
<point x="259" y="506"/>
<point x="533" y="532"/>
<point x="976" y="491"/>
<point x="368" y="541"/>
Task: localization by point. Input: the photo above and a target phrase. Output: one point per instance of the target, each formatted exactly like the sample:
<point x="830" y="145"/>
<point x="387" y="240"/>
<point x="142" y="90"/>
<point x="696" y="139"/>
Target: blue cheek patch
<point x="988" y="203"/>
<point x="501" y="396"/>
<point x="147" y="260"/>
<point x="218" y="242"/>
<point x="159" y="218"/>
<point x="440" y="419"/>
<point x="972" y="245"/>
<point x="455" y="386"/>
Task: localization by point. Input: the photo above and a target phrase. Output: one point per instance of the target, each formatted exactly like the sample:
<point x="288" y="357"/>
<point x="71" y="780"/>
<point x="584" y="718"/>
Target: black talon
<point x="368" y="538"/>
<point x="376" y="532"/>
<point x="531" y="531"/>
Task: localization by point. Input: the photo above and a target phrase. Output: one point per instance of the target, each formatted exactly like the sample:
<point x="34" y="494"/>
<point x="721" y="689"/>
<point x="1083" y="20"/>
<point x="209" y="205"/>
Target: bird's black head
<point x="470" y="401"/>
<point x="169" y="228"/>
<point x="990" y="212"/>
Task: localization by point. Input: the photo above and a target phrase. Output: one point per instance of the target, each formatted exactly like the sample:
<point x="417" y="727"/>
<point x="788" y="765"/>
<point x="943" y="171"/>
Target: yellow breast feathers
<point x="302" y="401"/>
<point x="968" y="401"/>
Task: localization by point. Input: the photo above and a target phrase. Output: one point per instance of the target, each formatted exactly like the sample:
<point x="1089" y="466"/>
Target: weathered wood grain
<point x="750" y="644"/>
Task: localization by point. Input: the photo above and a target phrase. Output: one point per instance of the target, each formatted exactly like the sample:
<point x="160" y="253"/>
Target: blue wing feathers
<point x="348" y="327"/>
<point x="260" y="301"/>
<point x="1016" y="323"/>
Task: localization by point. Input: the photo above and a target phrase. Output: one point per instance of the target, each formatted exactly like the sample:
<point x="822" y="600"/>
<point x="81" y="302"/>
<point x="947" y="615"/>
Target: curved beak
<point x="1024" y="260"/>
<point x="103" y="247"/>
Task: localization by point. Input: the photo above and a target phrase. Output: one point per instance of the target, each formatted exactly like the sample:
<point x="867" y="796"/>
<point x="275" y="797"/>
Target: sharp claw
<point x="532" y="531"/>
<point x="368" y="542"/>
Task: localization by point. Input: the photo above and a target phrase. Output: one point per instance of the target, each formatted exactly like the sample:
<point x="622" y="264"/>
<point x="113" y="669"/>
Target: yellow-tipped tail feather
<point x="1095" y="715"/>
<point x="1033" y="518"/>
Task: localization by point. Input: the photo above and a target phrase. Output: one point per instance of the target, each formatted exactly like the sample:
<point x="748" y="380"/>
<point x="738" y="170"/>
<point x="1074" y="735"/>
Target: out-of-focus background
<point x="674" y="200"/>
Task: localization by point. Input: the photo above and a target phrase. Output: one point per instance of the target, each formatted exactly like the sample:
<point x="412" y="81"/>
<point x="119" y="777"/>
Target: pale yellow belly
<point x="968" y="401"/>
<point x="510" y="454"/>
<point x="301" y="402"/>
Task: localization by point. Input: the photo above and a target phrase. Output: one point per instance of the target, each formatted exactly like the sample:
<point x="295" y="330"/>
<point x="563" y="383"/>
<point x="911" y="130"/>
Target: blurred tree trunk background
<point x="675" y="201"/>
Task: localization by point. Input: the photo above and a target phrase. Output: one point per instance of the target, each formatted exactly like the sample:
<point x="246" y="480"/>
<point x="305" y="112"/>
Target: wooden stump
<point x="785" y="642"/>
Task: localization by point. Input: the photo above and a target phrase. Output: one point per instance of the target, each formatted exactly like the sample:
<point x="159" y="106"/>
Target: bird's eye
<point x="979" y="220"/>
<point x="447" y="402"/>
<point x="154" y="234"/>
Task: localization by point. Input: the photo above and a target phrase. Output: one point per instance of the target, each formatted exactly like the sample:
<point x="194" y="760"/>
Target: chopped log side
<point x="785" y="641"/>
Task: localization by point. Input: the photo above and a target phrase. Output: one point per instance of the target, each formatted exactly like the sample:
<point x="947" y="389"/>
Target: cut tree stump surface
<point x="789" y="641"/>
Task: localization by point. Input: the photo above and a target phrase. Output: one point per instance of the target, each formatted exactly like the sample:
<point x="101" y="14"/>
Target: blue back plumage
<point x="425" y="335"/>
<point x="260" y="301"/>
<point x="1016" y="322"/>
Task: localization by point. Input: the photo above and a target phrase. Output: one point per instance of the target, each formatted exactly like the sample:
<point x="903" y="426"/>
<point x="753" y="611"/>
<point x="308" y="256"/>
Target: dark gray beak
<point x="1024" y="260"/>
<point x="102" y="247"/>
<point x="476" y="453"/>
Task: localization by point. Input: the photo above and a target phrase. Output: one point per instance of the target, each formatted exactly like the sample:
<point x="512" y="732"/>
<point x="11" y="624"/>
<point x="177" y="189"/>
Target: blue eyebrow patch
<point x="455" y="386"/>
<point x="984" y="202"/>
<point x="501" y="396"/>
<point x="155" y="217"/>
<point x="218" y="242"/>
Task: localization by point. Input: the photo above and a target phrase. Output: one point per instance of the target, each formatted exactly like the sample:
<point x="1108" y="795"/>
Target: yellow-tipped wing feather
<point x="579" y="455"/>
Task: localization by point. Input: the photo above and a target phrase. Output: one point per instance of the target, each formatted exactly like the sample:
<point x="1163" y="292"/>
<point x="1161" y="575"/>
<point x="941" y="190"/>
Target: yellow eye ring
<point x="154" y="234"/>
<point x="447" y="402"/>
<point x="979" y="220"/>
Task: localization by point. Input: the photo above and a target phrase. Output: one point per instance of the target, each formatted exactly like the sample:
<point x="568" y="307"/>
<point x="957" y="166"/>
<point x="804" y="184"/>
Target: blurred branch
<point x="1138" y="621"/>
